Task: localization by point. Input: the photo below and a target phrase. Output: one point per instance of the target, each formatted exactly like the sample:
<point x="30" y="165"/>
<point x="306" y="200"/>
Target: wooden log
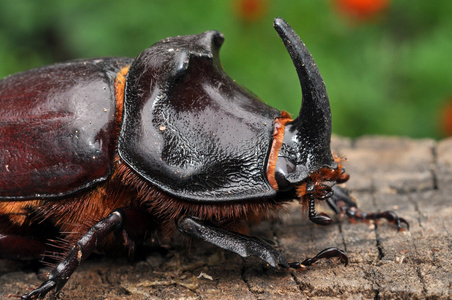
<point x="411" y="177"/>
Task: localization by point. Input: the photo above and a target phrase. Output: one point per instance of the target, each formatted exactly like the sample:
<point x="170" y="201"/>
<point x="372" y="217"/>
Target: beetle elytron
<point x="100" y="150"/>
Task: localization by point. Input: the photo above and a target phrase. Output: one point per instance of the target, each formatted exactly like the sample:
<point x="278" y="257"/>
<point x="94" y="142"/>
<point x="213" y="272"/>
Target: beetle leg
<point x="389" y="215"/>
<point x="340" y="199"/>
<point x="321" y="218"/>
<point x="317" y="218"/>
<point x="342" y="204"/>
<point x="61" y="273"/>
<point x="243" y="245"/>
<point x="246" y="246"/>
<point x="326" y="253"/>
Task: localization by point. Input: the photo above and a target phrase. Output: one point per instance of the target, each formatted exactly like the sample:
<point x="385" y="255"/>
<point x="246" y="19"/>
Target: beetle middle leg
<point x="246" y="246"/>
<point x="342" y="204"/>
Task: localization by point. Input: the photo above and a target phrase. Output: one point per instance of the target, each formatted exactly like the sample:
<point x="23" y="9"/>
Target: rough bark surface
<point x="411" y="177"/>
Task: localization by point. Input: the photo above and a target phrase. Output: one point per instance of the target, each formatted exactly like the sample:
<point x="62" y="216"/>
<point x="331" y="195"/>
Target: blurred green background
<point x="387" y="64"/>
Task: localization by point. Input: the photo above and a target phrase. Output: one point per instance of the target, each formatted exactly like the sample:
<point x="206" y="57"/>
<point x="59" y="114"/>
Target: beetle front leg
<point x="246" y="246"/>
<point x="342" y="204"/>
<point x="82" y="249"/>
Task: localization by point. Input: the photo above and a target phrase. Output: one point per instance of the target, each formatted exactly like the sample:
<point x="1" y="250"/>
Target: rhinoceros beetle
<point x="99" y="150"/>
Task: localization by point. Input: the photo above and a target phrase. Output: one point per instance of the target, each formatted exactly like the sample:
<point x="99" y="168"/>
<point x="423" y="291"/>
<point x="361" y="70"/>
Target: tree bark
<point x="411" y="177"/>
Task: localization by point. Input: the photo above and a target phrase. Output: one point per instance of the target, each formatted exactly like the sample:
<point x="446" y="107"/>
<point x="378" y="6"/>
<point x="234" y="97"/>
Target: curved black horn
<point x="313" y="123"/>
<point x="315" y="98"/>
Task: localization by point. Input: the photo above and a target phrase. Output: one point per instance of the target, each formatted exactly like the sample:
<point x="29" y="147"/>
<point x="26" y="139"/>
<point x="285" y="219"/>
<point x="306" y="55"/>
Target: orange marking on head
<point x="278" y="136"/>
<point x="120" y="83"/>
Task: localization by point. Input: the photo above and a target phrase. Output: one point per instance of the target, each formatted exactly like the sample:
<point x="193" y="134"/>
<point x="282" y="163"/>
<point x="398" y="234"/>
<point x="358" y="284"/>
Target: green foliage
<point x="387" y="75"/>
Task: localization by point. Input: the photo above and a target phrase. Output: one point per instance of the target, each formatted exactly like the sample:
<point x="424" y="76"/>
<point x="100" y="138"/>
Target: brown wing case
<point x="57" y="128"/>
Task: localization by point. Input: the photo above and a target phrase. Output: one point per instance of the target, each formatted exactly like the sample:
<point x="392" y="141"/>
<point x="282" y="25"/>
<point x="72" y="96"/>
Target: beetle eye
<point x="284" y="167"/>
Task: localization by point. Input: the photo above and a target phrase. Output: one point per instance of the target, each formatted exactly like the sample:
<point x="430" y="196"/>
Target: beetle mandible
<point x="114" y="148"/>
